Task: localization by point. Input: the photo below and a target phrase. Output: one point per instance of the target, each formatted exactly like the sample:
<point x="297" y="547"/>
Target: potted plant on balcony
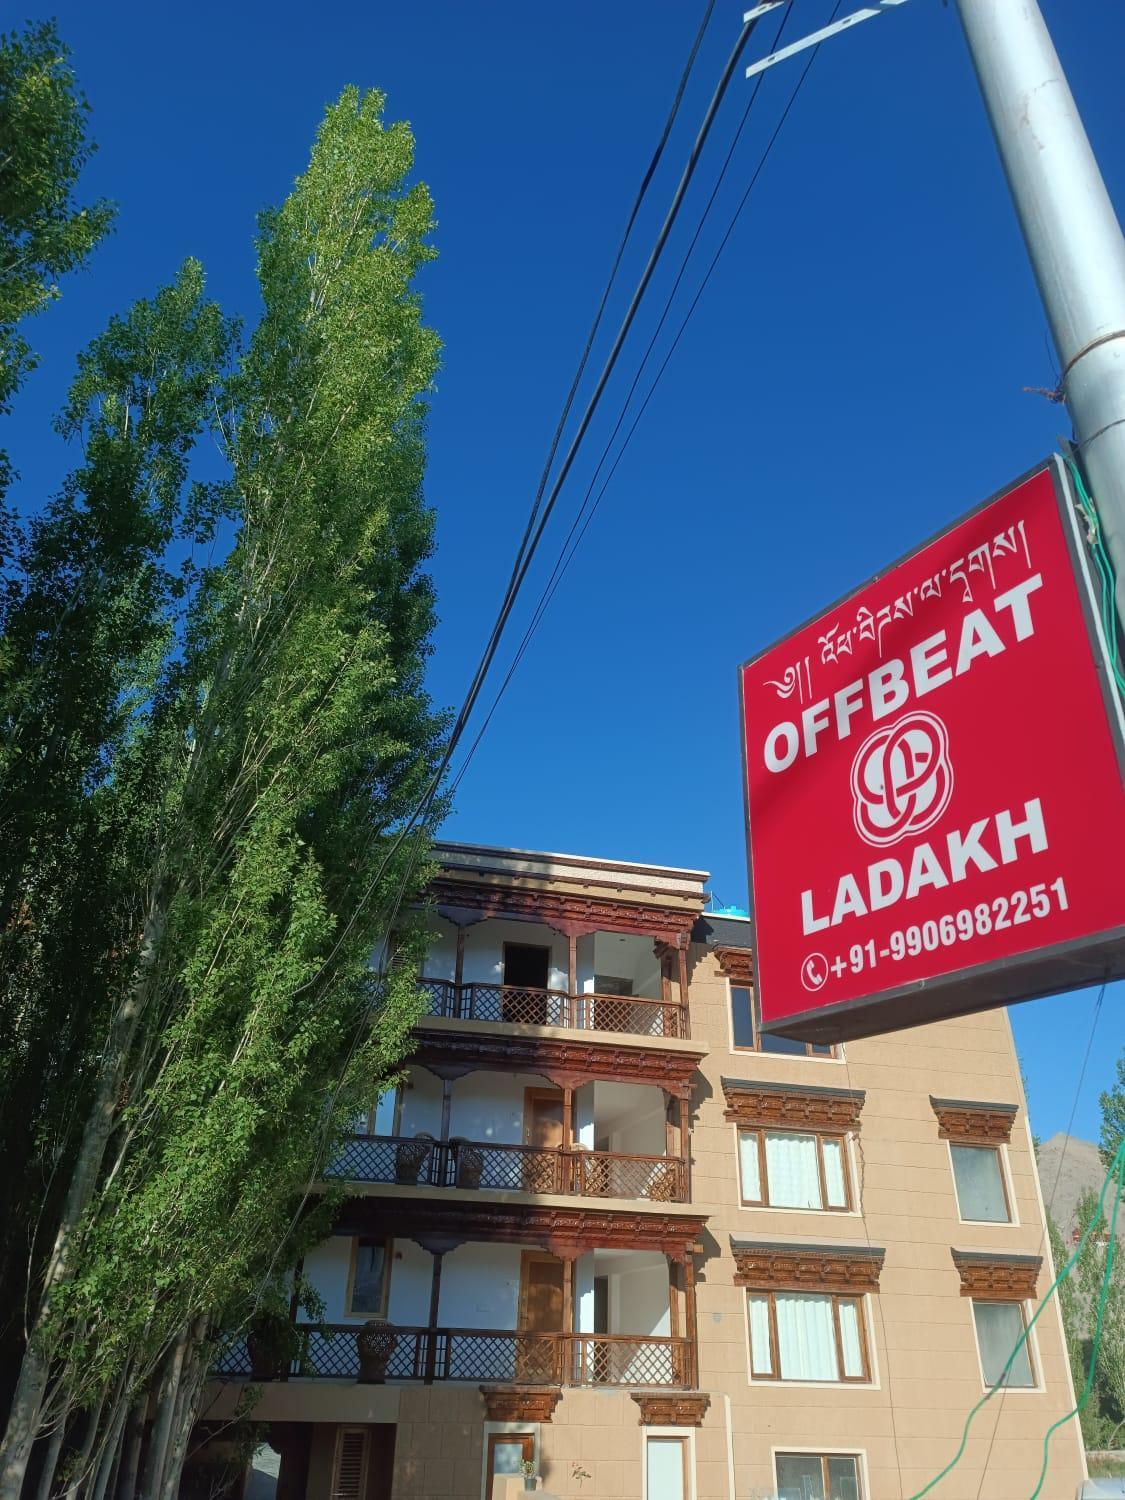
<point x="468" y="1162"/>
<point x="411" y="1157"/>
<point x="375" y="1343"/>
<point x="530" y="1478"/>
<point x="271" y="1343"/>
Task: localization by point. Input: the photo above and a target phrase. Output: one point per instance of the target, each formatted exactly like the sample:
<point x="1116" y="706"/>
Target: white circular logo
<point x="814" y="972"/>
<point x="902" y="779"/>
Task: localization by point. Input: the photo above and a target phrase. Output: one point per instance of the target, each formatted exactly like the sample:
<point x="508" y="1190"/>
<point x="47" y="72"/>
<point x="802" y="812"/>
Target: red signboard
<point x="933" y="773"/>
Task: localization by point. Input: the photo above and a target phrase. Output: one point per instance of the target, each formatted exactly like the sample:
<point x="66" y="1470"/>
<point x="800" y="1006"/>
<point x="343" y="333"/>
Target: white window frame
<point x="1001" y="1149"/>
<point x="860" y="1454"/>
<point x="685" y="1434"/>
<point x="852" y="1164"/>
<point x="775" y="1382"/>
<point x="1037" y="1387"/>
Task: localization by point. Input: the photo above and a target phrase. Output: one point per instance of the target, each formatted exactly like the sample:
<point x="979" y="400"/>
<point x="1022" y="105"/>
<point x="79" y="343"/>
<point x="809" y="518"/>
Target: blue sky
<point x="852" y="379"/>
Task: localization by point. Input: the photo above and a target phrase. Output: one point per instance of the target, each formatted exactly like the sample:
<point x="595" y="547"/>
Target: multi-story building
<point x="618" y="1234"/>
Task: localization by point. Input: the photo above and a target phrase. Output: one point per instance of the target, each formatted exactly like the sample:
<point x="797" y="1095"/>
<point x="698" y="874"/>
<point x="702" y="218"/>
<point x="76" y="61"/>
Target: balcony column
<point x="572" y="978"/>
<point x="682" y="972"/>
<point x="446" y="1107"/>
<point x="432" y="1319"/>
<point x="685" y="1143"/>
<point x="459" y="961"/>
<point x="690" y="1321"/>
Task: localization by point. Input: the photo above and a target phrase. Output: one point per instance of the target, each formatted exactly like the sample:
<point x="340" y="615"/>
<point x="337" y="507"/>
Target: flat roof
<point x="578" y="860"/>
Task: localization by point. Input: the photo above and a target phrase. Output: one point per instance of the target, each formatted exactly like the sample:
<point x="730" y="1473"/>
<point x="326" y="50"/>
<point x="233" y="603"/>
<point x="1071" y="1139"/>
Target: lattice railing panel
<point x="633" y="1015"/>
<point x="408" y="1160"/>
<point x="624" y="1361"/>
<point x="606" y="1174"/>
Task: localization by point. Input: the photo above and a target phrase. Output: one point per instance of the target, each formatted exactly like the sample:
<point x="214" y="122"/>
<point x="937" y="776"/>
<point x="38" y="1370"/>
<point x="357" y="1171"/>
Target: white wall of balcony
<point x="625" y="1117"/>
<point x="625" y="956"/>
<point x="637" y="1291"/>
<point x="480" y="1287"/>
<point x="484" y="950"/>
<point x="484" y="1106"/>
<point x="441" y="956"/>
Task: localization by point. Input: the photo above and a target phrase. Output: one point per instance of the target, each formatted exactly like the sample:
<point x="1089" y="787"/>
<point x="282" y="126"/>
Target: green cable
<point x="1114" y="1171"/>
<point x="1105" y="573"/>
<point x="1103" y="1297"/>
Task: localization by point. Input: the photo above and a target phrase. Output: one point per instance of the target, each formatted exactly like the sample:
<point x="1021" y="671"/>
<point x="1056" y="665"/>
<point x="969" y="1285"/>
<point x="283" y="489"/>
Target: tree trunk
<point x="165" y="1413"/>
<point x="51" y="1461"/>
<point x="112" y="1447"/>
<point x="27" y="1399"/>
<point x="78" y="1473"/>
<point x="131" y="1452"/>
<point x="187" y="1405"/>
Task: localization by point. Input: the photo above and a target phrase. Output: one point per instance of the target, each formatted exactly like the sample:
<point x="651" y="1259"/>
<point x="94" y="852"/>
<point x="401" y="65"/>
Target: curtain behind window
<point x="806" y="1337"/>
<point x="980" y="1191"/>
<point x="791" y="1171"/>
<point x="999" y="1325"/>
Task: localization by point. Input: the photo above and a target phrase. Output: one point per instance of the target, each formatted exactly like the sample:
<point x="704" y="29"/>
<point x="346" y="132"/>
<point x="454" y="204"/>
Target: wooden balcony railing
<point x="331" y="1352"/>
<point x="633" y="1015"/>
<point x="420" y="1162"/>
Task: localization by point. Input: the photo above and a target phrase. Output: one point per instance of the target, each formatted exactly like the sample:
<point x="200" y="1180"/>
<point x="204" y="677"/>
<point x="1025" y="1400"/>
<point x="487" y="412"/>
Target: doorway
<point x="526" y="976"/>
<point x="543" y="1134"/>
<point x="542" y="1289"/>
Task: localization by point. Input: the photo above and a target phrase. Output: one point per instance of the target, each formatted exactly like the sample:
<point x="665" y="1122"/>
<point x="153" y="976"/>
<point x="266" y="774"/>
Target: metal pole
<point x="1071" y="232"/>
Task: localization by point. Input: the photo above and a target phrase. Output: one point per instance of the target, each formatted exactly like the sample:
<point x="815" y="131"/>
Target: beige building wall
<point x="906" y="1424"/>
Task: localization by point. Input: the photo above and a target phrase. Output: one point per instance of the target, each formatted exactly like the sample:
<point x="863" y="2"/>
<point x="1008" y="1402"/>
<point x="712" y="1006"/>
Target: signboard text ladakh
<point x="933" y="773"/>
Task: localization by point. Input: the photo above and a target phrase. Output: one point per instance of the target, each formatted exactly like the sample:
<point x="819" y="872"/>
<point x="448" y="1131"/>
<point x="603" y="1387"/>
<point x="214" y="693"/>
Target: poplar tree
<point x="263" y="739"/>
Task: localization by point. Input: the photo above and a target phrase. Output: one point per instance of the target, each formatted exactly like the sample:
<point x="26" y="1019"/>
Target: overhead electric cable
<point x="590" y="337"/>
<point x="528" y="552"/>
<point x="565" y="559"/>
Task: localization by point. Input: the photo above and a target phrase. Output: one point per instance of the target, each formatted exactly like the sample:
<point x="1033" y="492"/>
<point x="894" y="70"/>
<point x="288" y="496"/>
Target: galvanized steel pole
<point x="1072" y="236"/>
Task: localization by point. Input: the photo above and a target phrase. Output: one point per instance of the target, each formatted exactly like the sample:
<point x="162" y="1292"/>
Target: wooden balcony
<point x="331" y="1352"/>
<point x="631" y="1015"/>
<point x="419" y="1162"/>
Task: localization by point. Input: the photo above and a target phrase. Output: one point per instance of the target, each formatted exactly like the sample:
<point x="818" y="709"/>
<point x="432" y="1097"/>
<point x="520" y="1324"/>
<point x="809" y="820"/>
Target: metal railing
<point x="632" y="1015"/>
<point x="332" y="1352"/>
<point x="418" y="1161"/>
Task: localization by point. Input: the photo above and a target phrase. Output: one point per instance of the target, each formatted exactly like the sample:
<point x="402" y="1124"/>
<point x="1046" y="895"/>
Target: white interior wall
<point x="441" y="957"/>
<point x="484" y="950"/>
<point x="489" y="1106"/>
<point x="584" y="1293"/>
<point x="421" y="1103"/>
<point x="631" y="1116"/>
<point x="584" y="963"/>
<point x="480" y="1287"/>
<point x="583" y="1109"/>
<point x="326" y="1267"/>
<point x="411" y="1280"/>
<point x="625" y="956"/>
<point x="638" y="1290"/>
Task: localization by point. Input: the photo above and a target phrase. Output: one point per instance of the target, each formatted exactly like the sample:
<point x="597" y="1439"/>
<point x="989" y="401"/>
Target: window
<point x="369" y="1281"/>
<point x="979" y="1179"/>
<point x="666" y="1468"/>
<point x="807" y="1336"/>
<point x="349" y="1467"/>
<point x="384" y="1118"/>
<point x="507" y="1451"/>
<point x="744" y="1027"/>
<point x="609" y="984"/>
<point x="784" y="1169"/>
<point x="818" y="1476"/>
<point x="999" y="1326"/>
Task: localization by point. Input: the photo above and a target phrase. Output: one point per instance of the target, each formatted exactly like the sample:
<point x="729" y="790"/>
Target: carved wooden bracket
<point x="791" y="1106"/>
<point x="997" y="1278"/>
<point x="807" y="1268"/>
<point x="969" y="1120"/>
<point x="565" y="1231"/>
<point x="509" y="1403"/>
<point x="562" y="1060"/>
<point x="736" y="964"/>
<point x="672" y="1408"/>
<point x="567" y="911"/>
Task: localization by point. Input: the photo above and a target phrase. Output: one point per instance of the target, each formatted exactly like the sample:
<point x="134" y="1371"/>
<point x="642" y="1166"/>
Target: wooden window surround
<point x="672" y="1409"/>
<point x="997" y="1278"/>
<point x="848" y="1269"/>
<point x="755" y="1141"/>
<point x="857" y="1377"/>
<point x="524" y="1440"/>
<point x="972" y="1122"/>
<point x="513" y="1403"/>
<point x="357" y="1245"/>
<point x="786" y="1106"/>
